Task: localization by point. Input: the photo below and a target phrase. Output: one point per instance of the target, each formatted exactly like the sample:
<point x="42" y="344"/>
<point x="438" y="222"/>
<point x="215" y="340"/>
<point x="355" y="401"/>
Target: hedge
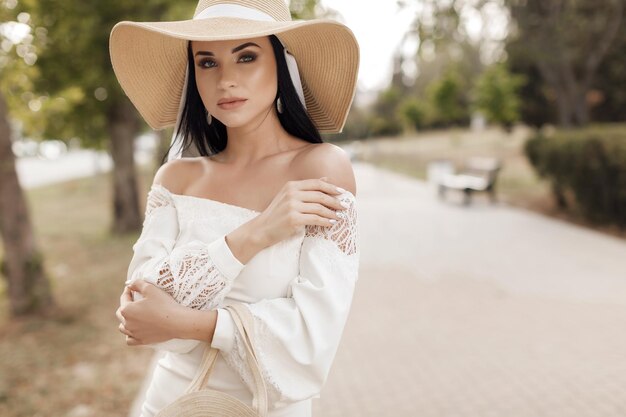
<point x="588" y="163"/>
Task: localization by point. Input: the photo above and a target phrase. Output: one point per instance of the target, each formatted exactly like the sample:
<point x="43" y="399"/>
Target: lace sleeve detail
<point x="191" y="277"/>
<point x="158" y="197"/>
<point x="343" y="233"/>
<point x="297" y="337"/>
<point x="196" y="274"/>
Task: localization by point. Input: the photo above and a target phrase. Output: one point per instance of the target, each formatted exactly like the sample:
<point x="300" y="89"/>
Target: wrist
<point x="255" y="236"/>
<point x="197" y="324"/>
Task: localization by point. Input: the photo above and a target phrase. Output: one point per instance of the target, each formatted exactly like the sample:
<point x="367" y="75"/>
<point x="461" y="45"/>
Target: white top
<point x="299" y="291"/>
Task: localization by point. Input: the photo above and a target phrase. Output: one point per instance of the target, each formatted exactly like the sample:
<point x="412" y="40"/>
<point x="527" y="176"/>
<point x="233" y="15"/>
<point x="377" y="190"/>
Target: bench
<point x="478" y="174"/>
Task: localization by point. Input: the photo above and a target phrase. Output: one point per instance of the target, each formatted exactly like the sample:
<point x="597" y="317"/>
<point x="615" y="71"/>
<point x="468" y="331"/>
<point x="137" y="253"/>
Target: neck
<point x="255" y="141"/>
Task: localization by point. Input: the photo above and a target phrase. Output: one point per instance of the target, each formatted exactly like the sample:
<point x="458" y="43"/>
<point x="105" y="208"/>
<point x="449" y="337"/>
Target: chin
<point x="241" y="120"/>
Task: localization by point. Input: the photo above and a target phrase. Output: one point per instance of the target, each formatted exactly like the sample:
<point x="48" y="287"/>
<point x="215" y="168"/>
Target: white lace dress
<point x="299" y="291"/>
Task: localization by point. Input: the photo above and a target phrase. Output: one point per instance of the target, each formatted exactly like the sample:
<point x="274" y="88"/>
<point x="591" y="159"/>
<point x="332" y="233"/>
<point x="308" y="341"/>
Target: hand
<point x="297" y="204"/>
<point x="151" y="319"/>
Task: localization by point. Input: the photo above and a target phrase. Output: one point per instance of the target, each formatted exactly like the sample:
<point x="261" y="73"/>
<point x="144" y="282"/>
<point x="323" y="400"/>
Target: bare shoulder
<point x="327" y="160"/>
<point x="177" y="174"/>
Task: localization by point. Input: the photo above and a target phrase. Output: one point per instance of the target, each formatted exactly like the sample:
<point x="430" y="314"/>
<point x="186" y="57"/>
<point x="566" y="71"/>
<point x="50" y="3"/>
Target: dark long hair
<point x="211" y="139"/>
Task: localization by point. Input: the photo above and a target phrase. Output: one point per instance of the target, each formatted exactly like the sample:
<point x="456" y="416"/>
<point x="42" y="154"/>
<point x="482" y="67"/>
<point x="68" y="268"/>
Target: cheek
<point x="260" y="80"/>
<point x="205" y="89"/>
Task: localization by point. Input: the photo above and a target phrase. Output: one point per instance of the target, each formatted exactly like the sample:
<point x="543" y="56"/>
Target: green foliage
<point x="304" y="9"/>
<point x="566" y="43"/>
<point x="413" y="112"/>
<point x="72" y="88"/>
<point x="446" y="98"/>
<point x="17" y="58"/>
<point x="384" y="120"/>
<point x="496" y="95"/>
<point x="356" y="126"/>
<point x="589" y="163"/>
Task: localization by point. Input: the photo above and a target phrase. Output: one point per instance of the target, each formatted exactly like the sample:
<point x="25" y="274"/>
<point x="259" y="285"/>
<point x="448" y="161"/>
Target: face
<point x="236" y="79"/>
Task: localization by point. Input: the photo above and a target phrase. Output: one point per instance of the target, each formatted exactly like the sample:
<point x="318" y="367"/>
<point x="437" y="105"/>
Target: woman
<point x="249" y="220"/>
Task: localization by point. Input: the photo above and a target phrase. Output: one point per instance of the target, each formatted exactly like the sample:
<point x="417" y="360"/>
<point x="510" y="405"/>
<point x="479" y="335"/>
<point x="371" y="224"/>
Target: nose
<point x="227" y="77"/>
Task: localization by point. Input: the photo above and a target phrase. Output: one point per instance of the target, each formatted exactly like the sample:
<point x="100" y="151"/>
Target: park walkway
<point x="477" y="311"/>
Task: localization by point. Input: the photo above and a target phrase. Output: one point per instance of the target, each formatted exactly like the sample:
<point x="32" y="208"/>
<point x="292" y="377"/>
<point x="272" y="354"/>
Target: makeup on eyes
<point x="246" y="54"/>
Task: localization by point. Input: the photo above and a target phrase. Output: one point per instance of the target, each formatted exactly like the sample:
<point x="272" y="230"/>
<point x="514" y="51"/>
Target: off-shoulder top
<point x="299" y="292"/>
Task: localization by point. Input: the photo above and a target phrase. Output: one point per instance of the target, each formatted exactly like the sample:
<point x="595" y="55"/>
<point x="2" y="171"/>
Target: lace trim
<point x="192" y="279"/>
<point x="343" y="237"/>
<point x="158" y="196"/>
<point x="236" y="360"/>
<point x="188" y="274"/>
<point x="343" y="233"/>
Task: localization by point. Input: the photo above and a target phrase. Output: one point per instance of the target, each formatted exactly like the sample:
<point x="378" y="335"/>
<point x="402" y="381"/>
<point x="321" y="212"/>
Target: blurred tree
<point x="22" y="263"/>
<point x="496" y="95"/>
<point x="608" y="96"/>
<point x="567" y="40"/>
<point x="447" y="100"/>
<point x="537" y="101"/>
<point x="413" y="112"/>
<point x="385" y="117"/>
<point x="76" y="73"/>
<point x="311" y="9"/>
<point x="440" y="37"/>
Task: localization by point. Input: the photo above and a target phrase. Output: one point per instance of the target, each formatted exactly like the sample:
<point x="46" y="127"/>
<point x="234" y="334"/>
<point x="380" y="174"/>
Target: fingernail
<point x="341" y="190"/>
<point x="324" y="178"/>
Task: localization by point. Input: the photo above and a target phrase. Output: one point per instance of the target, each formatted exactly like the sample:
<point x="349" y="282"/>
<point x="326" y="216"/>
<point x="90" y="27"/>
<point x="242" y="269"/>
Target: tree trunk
<point x="123" y="128"/>
<point x="564" y="109"/>
<point x="22" y="266"/>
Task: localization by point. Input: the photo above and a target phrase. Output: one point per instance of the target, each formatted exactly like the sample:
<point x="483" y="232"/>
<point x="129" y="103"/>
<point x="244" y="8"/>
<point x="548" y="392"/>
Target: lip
<point x="231" y="102"/>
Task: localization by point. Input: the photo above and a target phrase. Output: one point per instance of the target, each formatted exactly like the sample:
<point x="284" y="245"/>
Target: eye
<point x="206" y="63"/>
<point x="247" y="57"/>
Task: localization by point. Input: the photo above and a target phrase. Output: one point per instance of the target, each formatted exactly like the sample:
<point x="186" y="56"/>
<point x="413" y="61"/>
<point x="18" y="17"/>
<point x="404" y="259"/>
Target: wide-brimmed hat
<point x="150" y="58"/>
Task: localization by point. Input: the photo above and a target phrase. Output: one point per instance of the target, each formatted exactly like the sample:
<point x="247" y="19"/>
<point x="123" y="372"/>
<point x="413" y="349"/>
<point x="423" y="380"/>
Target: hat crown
<point x="277" y="9"/>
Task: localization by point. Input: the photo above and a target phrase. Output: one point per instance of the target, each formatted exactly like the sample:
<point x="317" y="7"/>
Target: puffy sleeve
<point x="297" y="336"/>
<point x="197" y="274"/>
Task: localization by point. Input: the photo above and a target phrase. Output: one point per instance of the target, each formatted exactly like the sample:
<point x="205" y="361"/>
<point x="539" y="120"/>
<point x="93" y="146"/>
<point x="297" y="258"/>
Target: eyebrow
<point x="236" y="49"/>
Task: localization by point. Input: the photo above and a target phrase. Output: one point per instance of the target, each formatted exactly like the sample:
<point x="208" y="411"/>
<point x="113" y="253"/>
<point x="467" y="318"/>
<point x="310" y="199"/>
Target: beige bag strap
<point x="244" y="322"/>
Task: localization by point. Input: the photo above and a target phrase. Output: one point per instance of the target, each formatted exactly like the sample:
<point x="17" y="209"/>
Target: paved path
<point x="477" y="311"/>
<point x="36" y="172"/>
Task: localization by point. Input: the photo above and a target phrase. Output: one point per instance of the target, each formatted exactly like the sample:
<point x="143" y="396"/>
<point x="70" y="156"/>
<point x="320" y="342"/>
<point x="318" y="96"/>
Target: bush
<point x="590" y="164"/>
<point x="413" y="113"/>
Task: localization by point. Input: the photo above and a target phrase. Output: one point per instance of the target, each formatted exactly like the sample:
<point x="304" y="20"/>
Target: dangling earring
<point x="209" y="118"/>
<point x="279" y="105"/>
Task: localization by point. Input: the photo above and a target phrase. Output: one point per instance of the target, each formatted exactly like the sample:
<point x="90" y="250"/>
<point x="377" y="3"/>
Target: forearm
<point x="195" y="324"/>
<point x="246" y="241"/>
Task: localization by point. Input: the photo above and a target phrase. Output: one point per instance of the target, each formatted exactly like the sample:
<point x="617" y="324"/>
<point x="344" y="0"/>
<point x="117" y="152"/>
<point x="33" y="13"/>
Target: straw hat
<point x="150" y="58"/>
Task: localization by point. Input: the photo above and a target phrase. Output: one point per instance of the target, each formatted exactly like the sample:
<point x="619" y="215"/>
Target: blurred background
<point x="489" y="146"/>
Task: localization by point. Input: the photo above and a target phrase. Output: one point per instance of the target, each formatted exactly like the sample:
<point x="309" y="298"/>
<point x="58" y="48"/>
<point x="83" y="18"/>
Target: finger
<point x="136" y="285"/>
<point x="120" y="317"/>
<point x="314" y="184"/>
<point x="141" y="286"/>
<point x="131" y="341"/>
<point x="322" y="211"/>
<point x="332" y="202"/>
<point x="126" y="297"/>
<point x="315" y="220"/>
<point x="124" y="330"/>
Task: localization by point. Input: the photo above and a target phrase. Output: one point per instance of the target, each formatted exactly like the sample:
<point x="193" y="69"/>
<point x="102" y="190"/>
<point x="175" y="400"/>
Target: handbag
<point x="200" y="401"/>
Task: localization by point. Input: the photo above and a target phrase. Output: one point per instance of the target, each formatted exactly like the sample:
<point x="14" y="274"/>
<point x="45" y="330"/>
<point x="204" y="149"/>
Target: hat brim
<point x="150" y="60"/>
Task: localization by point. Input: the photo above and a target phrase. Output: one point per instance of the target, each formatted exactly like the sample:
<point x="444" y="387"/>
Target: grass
<point x="76" y="363"/>
<point x="517" y="184"/>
